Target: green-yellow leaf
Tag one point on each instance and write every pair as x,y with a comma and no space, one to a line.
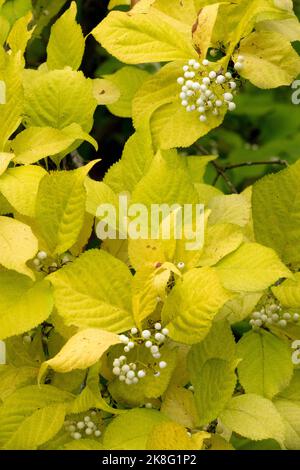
20,185
17,245
91,396
288,293
140,38
66,43
232,209
128,80
130,431
5,159
290,27
98,193
251,268
12,378
240,307
20,34
94,292
290,415
105,91
81,351
254,417
192,305
166,182
85,444
211,365
36,143
270,60
173,436
220,240
135,162
276,212
217,375
59,98
179,405
11,110
24,304
31,416
204,27
60,208
266,367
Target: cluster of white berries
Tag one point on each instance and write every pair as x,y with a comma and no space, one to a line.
43,262
131,372
205,90
86,427
272,314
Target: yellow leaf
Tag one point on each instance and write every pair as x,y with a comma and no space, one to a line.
20,34
94,292
67,32
144,37
203,29
20,185
60,207
81,351
270,60
11,110
190,308
23,303
220,240
179,405
173,436
17,245
128,80
288,293
5,159
251,268
35,143
105,91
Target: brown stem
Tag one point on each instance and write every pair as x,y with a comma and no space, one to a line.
222,173
133,2
266,162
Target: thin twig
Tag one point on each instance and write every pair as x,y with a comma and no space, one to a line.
227,180
266,162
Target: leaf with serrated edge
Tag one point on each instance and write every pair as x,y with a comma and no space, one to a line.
254,417
94,292
23,303
81,351
251,268
189,310
266,367
17,245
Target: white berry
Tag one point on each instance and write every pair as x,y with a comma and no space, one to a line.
228,96
220,79
116,370
146,334
42,255
162,364
238,66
